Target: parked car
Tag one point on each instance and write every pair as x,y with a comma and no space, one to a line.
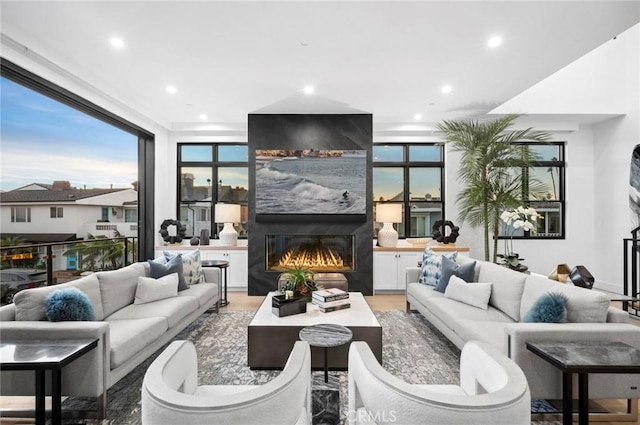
13,281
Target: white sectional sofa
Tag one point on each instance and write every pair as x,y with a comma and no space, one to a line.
128,333
589,317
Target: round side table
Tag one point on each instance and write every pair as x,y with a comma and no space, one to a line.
326,335
220,265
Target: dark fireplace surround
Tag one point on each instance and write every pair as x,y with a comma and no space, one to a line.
313,238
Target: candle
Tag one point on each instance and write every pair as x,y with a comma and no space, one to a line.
288,295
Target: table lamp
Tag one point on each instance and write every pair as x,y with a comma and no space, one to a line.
388,214
228,214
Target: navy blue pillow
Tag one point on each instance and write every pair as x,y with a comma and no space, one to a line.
68,304
549,308
450,268
157,270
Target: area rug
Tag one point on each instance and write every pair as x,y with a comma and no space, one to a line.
413,350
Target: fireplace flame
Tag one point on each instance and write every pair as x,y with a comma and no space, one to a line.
317,260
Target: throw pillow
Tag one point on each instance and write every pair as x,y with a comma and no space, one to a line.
432,266
549,308
157,270
474,293
465,272
68,304
150,289
191,267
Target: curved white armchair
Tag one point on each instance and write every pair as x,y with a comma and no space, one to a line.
171,395
493,390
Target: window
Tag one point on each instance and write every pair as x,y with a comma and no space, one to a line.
104,214
130,215
410,174
209,173
544,190
56,212
20,215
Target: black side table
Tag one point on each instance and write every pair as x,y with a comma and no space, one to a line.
584,358
220,265
41,356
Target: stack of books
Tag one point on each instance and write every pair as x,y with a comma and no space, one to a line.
331,299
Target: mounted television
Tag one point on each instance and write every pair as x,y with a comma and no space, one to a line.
305,185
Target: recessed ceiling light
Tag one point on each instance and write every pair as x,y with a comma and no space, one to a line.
446,89
117,42
417,117
172,89
494,41
203,117
308,89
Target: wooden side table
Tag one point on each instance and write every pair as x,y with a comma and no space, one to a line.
41,356
584,358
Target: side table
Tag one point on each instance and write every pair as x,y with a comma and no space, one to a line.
41,356
584,358
325,396
220,265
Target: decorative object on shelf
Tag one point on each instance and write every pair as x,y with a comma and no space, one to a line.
581,277
441,236
228,214
282,306
516,219
491,170
560,273
204,237
299,280
388,214
194,241
181,231
419,242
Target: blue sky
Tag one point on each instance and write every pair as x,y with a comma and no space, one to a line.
43,140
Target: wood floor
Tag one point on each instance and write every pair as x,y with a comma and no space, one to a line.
386,302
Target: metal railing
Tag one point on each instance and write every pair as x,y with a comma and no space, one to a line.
631,273
95,254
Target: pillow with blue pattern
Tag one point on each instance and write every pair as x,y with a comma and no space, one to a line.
549,308
191,267
432,266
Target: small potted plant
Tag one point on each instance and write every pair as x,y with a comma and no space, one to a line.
518,218
299,280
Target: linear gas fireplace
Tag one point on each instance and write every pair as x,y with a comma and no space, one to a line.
320,253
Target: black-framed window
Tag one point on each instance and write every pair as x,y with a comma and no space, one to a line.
412,175
146,151
209,173
56,212
544,190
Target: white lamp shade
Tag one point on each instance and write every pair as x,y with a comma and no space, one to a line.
227,213
389,213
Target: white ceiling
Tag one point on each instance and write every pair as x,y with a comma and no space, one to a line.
228,59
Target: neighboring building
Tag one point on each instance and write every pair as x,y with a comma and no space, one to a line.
55,213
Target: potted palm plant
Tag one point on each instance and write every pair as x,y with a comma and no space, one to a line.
493,169
299,280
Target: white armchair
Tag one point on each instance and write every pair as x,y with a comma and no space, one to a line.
493,391
171,394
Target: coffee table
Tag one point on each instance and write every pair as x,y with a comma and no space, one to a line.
271,338
41,356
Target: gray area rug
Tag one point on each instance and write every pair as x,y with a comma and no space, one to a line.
413,350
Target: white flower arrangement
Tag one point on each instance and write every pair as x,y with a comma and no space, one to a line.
518,218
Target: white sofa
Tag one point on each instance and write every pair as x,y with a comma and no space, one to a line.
589,318
492,391
128,333
171,394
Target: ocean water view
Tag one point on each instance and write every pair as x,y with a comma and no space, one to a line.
311,185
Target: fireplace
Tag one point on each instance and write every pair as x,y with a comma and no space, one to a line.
320,253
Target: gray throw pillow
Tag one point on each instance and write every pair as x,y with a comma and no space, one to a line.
451,268
157,270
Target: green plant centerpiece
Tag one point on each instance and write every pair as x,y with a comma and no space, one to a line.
299,280
494,171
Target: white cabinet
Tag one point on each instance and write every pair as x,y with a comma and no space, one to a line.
238,265
389,269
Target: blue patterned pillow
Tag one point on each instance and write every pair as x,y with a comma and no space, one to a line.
549,308
191,267
432,266
450,268
68,304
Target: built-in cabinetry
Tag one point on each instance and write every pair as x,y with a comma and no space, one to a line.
389,264
236,256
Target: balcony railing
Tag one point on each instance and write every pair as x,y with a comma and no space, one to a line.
65,261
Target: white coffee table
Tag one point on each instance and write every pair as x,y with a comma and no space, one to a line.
271,338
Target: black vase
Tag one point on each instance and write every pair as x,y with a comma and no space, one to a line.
204,237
